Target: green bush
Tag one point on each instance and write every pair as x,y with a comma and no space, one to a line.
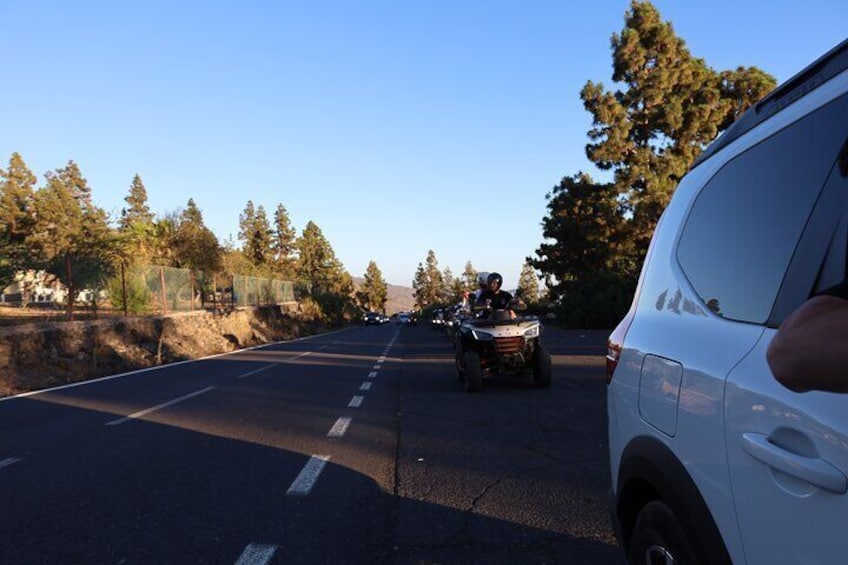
138,296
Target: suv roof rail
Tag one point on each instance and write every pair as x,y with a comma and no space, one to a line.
814,75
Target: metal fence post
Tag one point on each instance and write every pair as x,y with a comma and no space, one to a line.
162,289
124,289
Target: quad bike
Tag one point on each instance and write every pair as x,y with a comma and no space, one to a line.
501,343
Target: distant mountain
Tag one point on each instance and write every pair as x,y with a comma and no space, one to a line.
400,299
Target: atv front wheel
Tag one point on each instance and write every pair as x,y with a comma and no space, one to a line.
457,355
542,368
473,371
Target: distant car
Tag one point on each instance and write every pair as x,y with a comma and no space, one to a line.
372,318
403,318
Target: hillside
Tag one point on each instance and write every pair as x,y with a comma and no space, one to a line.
400,297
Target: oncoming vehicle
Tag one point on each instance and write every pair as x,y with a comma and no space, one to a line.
372,318
501,344
712,460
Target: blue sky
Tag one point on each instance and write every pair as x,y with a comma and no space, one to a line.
397,127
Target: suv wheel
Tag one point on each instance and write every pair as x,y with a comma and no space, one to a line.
658,538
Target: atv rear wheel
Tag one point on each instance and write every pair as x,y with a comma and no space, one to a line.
473,371
542,368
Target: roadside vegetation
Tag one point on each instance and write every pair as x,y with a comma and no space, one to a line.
664,107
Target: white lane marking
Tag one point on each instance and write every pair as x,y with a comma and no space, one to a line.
137,415
355,402
259,370
340,427
376,367
308,476
381,360
365,386
9,461
256,554
372,374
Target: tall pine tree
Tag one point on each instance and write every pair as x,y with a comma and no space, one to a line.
17,218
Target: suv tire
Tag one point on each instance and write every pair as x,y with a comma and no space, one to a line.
658,537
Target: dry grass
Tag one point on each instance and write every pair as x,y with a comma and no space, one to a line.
15,315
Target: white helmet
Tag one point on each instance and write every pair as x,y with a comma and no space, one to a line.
482,278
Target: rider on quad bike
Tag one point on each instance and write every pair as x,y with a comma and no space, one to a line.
493,299
500,341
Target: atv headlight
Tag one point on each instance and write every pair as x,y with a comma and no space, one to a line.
532,332
482,336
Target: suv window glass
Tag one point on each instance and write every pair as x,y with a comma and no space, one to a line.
744,226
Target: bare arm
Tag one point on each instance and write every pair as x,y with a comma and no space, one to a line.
810,350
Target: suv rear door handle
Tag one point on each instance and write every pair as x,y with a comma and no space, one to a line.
817,472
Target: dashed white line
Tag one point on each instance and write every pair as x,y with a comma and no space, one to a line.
9,461
355,402
381,360
340,427
372,374
159,407
304,482
376,366
259,370
256,554
365,386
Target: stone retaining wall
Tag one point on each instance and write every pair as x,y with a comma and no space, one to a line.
36,356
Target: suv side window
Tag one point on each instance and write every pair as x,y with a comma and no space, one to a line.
746,222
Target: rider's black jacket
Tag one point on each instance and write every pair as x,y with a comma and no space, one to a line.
495,301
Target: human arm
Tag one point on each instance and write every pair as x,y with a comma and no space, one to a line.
809,350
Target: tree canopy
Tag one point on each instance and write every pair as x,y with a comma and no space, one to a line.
667,107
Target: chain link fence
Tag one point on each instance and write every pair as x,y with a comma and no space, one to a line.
156,289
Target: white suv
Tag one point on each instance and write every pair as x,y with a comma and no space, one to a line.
712,460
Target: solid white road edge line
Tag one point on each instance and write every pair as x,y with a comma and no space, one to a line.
259,370
340,427
355,402
9,461
256,554
157,367
137,415
304,482
365,386
296,357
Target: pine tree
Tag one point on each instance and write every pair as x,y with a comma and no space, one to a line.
259,245
588,257
17,218
317,263
72,235
672,106
528,284
195,246
284,240
374,291
331,285
429,282
137,223
469,277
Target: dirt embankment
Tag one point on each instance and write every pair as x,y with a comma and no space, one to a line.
36,356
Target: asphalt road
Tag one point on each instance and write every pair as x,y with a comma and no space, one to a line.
358,446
